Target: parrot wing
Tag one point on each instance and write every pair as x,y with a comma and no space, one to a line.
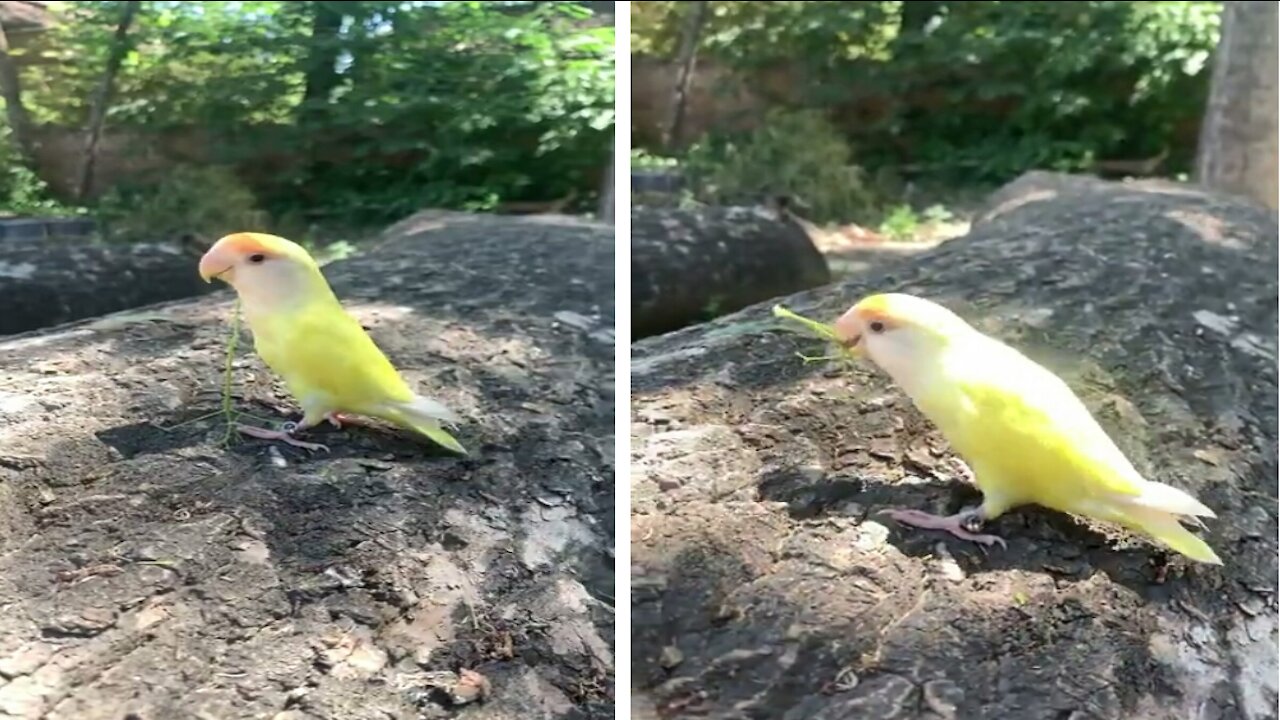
327,350
1033,421
332,353
1045,436
1033,417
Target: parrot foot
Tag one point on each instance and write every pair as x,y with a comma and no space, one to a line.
963,525
285,435
338,419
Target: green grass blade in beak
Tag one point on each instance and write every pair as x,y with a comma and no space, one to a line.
822,330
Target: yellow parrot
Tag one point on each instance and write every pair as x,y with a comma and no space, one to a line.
301,331
1025,435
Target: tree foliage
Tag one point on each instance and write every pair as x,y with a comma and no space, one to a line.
796,155
361,110
977,91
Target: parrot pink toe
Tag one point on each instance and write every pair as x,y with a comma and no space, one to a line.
339,420
954,524
265,434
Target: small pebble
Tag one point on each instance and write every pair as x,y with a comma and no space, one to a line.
671,657
277,460
471,686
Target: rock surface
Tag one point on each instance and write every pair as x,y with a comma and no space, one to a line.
149,571
692,265
47,282
758,559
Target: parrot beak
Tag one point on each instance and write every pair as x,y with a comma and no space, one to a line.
847,334
854,345
213,265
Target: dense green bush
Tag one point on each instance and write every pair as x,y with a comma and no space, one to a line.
207,202
482,107
22,192
1056,85
797,154
975,91
365,111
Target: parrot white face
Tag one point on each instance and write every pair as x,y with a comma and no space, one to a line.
268,272
903,335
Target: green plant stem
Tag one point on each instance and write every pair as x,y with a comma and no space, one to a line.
228,406
823,331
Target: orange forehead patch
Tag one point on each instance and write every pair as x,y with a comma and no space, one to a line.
901,309
245,243
877,307
874,302
870,316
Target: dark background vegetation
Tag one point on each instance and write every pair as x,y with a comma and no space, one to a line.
876,112
295,116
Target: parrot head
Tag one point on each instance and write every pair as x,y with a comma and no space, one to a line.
899,333
262,268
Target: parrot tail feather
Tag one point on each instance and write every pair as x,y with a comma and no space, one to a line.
428,409
428,417
1164,527
1158,496
441,437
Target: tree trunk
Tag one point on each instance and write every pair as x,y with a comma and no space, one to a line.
102,99
321,64
766,584
916,15
693,265
229,575
1239,137
15,110
607,201
688,56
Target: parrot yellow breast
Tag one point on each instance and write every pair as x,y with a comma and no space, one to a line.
1025,435
327,358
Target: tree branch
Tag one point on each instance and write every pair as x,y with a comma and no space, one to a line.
102,99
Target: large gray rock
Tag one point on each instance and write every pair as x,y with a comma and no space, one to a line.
693,265
765,585
147,570
47,282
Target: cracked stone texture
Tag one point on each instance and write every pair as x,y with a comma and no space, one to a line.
147,571
765,586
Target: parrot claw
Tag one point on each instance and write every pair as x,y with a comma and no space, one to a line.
285,435
987,540
340,420
963,525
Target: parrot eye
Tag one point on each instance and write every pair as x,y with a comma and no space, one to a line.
257,258
877,326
